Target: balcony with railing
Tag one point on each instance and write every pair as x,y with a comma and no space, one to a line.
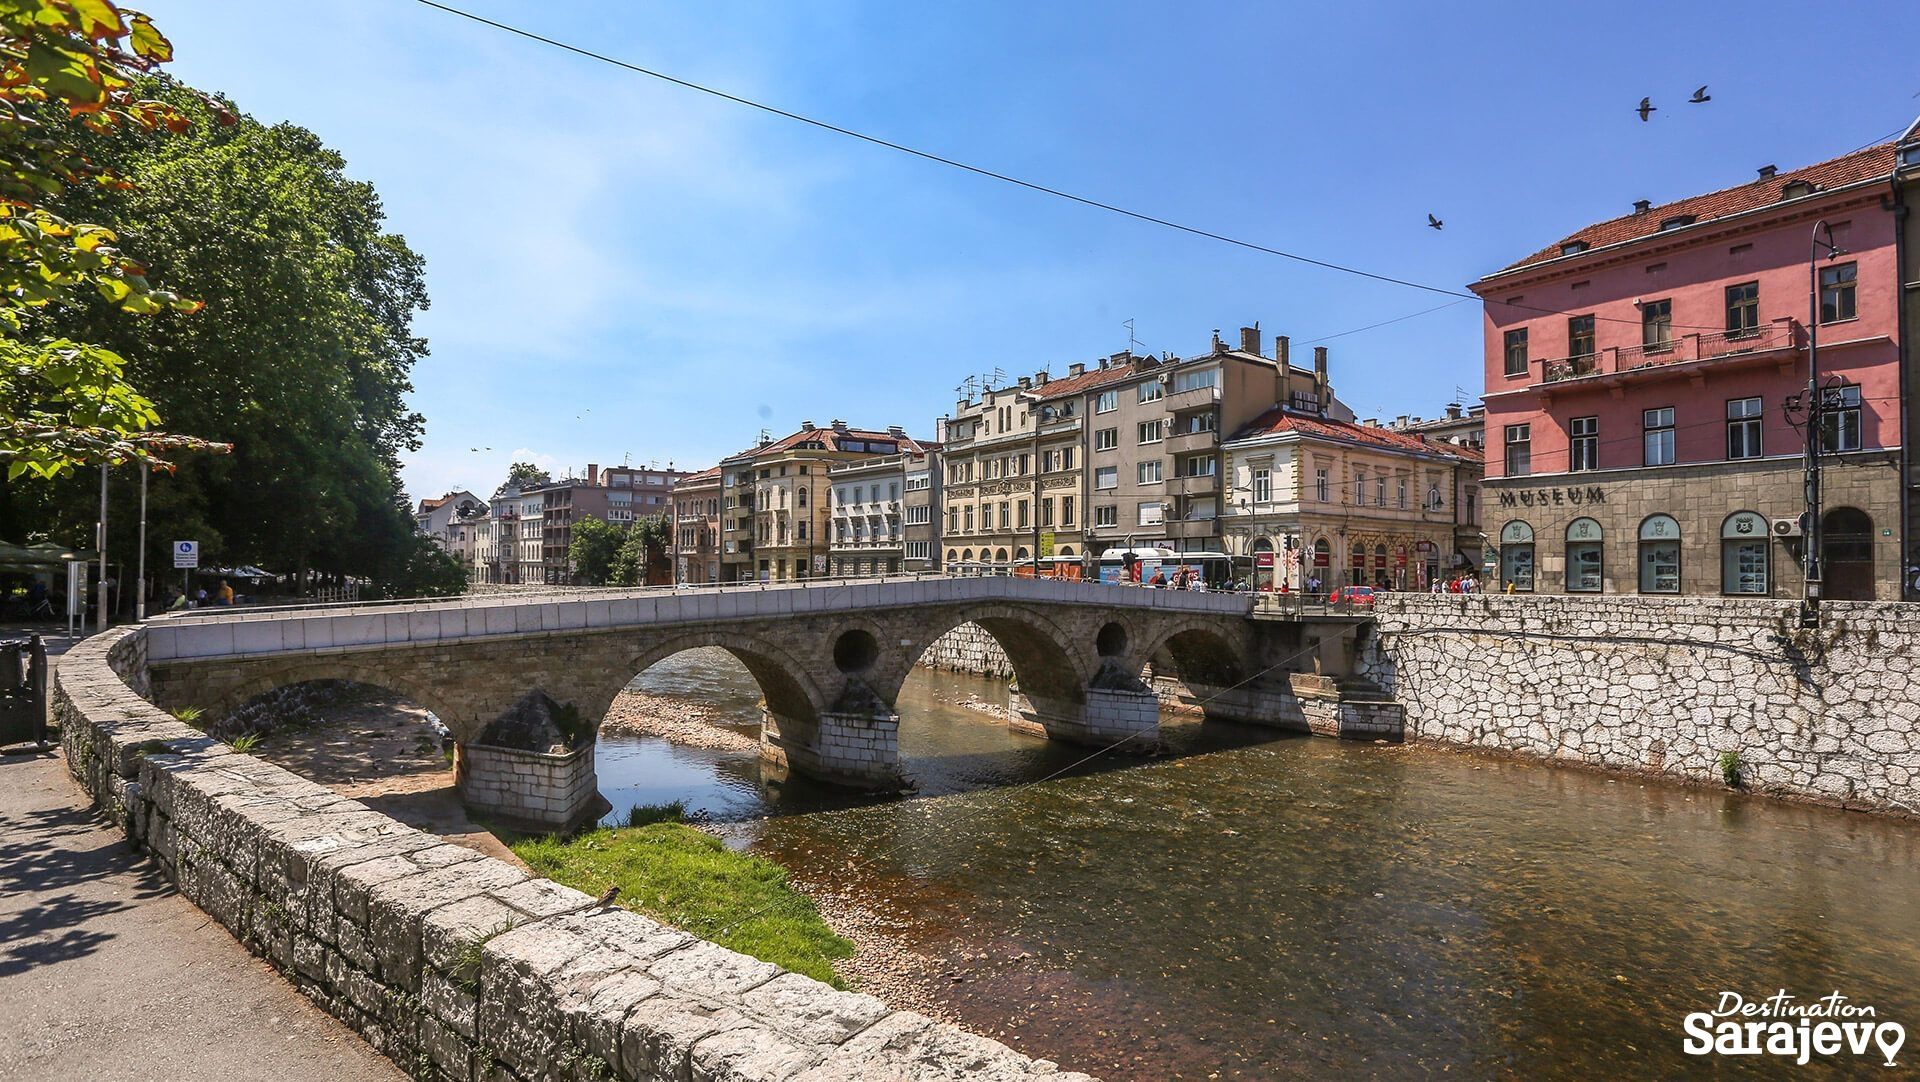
1180,443
1196,484
1192,398
1776,342
1192,529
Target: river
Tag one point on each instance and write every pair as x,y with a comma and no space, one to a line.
1253,905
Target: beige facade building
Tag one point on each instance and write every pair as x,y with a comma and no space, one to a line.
775,505
1314,499
867,531
695,515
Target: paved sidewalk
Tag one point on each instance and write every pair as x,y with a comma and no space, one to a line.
107,973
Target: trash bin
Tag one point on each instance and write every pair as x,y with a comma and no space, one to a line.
23,690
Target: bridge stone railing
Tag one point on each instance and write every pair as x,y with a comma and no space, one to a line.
449,962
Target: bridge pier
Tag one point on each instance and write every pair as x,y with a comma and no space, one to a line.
857,749
1268,703
1115,706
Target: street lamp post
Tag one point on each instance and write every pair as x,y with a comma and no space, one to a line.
1811,580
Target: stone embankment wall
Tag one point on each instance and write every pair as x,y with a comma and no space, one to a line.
1666,686
453,964
968,648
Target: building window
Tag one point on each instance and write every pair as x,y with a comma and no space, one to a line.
1359,487
1022,515
1516,556
1149,472
1195,379
953,520
1106,439
1743,427
1046,512
1106,402
1836,292
1583,443
1656,325
969,528
1151,431
1585,557
1659,555
1657,430
1516,352
1744,554
1152,514
1519,450
1066,510
1401,493
1580,336
1262,485
1106,477
1004,518
1106,515
1840,418
1201,466
1320,484
1743,310
1150,391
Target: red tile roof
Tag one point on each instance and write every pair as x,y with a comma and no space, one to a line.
711,473
830,438
1089,381
1281,419
1875,161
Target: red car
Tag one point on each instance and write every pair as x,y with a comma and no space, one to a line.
1359,597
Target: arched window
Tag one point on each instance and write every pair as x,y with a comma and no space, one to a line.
1357,565
1659,555
952,557
1846,554
1516,556
1585,557
800,497
1744,555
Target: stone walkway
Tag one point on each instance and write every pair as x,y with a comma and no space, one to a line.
106,972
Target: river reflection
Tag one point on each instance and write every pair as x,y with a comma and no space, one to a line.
1257,908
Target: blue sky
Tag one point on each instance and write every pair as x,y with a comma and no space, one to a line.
622,268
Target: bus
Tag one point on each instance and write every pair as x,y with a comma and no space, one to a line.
1214,569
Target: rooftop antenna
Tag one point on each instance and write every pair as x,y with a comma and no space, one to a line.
1460,394
766,435
968,388
994,378
1131,340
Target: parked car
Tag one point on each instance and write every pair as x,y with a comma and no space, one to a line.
1359,597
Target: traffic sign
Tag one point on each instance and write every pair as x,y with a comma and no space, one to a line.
186,554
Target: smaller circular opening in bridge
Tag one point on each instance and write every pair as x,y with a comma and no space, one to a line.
1112,641
855,651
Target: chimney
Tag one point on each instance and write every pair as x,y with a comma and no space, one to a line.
593,474
1026,383
1250,339
1076,369
1321,390
839,425
1453,411
1040,379
1282,351
806,426
1400,421
1641,206
1767,171
1370,422
1218,345
897,430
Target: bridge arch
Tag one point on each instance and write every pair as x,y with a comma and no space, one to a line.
790,692
217,692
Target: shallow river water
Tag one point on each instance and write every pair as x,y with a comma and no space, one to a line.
1261,906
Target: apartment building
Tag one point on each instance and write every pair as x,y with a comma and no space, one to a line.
1013,477
1312,498
867,531
695,504
1463,425
920,508
618,496
775,506
1646,380
529,554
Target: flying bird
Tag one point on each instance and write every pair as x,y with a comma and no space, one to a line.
1434,223
1701,95
1646,108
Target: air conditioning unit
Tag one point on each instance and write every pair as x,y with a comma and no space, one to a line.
1786,527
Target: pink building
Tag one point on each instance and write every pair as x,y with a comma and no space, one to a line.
1640,376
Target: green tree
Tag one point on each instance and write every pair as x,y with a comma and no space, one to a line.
527,475
421,568
593,550
301,358
68,67
643,553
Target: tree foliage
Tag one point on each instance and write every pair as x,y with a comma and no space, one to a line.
301,358
70,67
527,475
593,549
643,553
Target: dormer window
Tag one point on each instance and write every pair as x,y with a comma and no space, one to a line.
1678,221
1573,247
1796,189
1910,155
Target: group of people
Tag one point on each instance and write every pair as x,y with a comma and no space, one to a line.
1458,584
223,595
1184,578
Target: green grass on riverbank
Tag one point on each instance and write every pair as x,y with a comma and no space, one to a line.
674,873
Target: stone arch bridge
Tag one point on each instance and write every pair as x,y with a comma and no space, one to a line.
830,659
